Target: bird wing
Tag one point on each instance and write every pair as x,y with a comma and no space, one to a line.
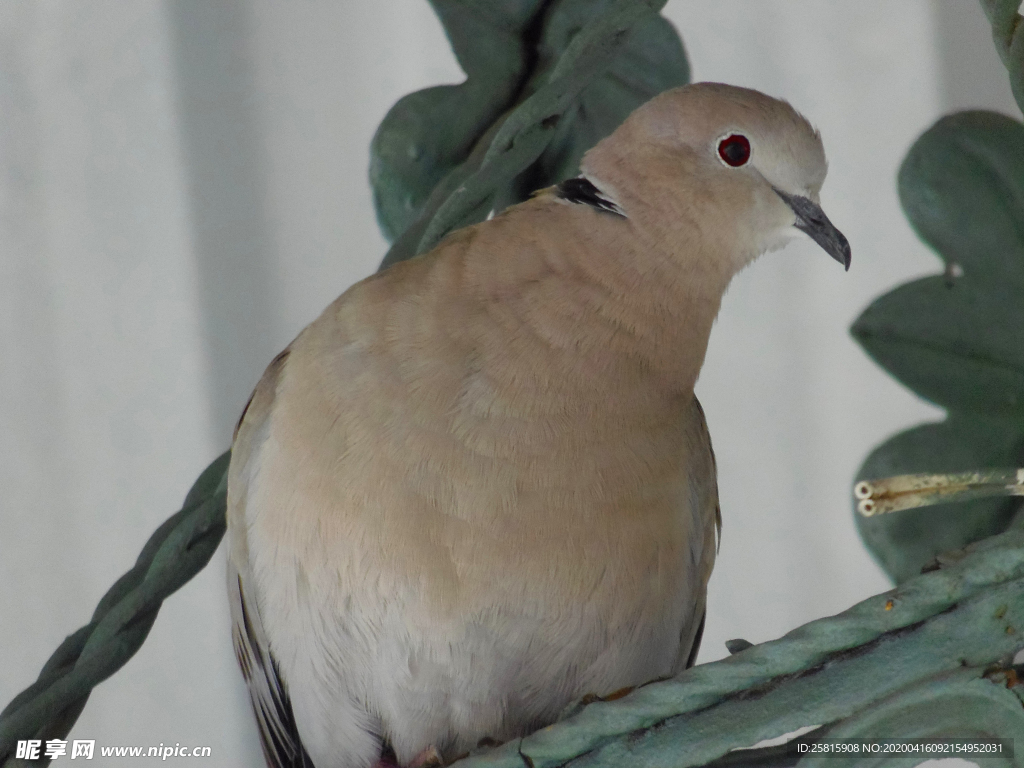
703,481
279,735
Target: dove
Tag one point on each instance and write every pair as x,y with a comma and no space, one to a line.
479,486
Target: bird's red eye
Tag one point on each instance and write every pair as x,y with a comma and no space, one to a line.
734,150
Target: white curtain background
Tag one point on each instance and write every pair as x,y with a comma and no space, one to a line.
183,187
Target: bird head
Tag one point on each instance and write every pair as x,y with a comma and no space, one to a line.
738,172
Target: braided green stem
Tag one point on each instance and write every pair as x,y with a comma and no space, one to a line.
988,581
177,551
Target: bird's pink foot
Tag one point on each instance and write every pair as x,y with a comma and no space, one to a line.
428,758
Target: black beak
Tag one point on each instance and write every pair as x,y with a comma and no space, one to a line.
813,221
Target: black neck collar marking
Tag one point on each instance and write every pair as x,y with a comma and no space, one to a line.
582,190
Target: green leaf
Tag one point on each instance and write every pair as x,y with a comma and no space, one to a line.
955,339
651,61
1008,35
958,343
904,542
958,340
962,188
444,157
428,133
